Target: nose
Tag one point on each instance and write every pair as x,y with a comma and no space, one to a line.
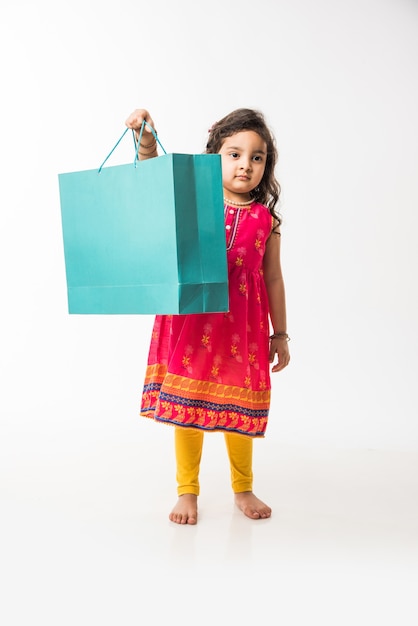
245,163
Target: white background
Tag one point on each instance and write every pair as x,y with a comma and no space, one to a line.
338,83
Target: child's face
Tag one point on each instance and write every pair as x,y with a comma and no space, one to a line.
243,162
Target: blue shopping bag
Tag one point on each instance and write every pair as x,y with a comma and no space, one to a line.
146,237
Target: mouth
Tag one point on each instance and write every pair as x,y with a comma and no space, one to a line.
243,177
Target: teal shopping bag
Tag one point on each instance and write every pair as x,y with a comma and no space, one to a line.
146,237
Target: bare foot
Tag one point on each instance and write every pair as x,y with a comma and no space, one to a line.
185,511
251,506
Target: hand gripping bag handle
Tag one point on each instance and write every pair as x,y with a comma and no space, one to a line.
136,143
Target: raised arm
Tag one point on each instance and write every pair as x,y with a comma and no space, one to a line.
148,145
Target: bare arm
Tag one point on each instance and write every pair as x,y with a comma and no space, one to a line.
148,145
274,282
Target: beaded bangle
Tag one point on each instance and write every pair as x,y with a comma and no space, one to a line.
280,336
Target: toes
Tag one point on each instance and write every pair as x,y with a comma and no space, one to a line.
182,518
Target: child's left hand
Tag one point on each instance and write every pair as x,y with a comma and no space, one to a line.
280,347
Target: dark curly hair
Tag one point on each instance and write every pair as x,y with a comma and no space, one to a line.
268,191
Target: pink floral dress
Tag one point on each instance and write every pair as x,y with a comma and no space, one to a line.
211,370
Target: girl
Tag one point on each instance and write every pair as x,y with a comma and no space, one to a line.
210,372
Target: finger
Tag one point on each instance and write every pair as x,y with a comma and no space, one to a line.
272,353
278,367
281,364
136,119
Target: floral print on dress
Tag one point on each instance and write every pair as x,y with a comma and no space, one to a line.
206,338
263,382
241,252
187,359
235,353
243,288
258,244
252,355
212,370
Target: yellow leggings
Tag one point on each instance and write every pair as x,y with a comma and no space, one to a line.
188,448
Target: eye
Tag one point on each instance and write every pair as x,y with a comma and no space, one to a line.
258,158
234,155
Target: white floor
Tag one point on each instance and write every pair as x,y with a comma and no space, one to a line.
86,538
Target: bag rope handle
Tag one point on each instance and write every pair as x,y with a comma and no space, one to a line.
136,143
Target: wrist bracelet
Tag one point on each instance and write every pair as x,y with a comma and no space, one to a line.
148,145
280,336
146,153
